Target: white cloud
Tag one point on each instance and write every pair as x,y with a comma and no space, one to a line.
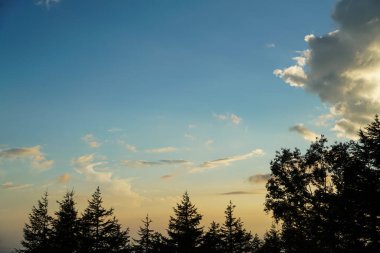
294,75
226,161
233,118
38,159
91,141
343,67
162,150
270,45
12,186
306,133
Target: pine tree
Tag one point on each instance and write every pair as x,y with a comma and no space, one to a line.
184,230
256,244
235,238
37,233
272,241
212,239
145,243
65,226
100,232
159,243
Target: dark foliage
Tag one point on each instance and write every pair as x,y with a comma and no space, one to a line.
184,229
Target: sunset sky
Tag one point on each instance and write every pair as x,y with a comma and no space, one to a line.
151,98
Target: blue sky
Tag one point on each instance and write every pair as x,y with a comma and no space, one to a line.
151,98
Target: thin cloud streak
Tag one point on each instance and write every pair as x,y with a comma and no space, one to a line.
244,192
142,164
226,161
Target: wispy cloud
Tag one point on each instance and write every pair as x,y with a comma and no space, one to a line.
233,118
64,178
100,173
306,133
86,166
259,178
226,161
270,45
342,67
12,186
38,159
91,141
162,150
244,192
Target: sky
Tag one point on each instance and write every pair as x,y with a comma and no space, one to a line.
151,98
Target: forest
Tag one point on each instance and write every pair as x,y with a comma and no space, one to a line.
324,200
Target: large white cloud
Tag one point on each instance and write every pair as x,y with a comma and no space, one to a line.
343,66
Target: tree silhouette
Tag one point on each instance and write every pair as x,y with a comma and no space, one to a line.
235,238
100,232
66,226
145,242
256,244
212,240
272,242
37,232
184,230
327,199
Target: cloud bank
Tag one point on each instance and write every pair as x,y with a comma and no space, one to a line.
38,159
343,66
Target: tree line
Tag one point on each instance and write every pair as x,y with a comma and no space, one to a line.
325,200
98,230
